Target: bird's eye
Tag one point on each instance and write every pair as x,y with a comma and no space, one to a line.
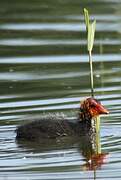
92,105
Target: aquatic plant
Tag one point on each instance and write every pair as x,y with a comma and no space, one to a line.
90,29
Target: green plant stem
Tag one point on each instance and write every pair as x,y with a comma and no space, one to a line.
91,74
98,144
90,29
97,124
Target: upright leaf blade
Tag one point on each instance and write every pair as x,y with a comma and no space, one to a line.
91,34
90,28
86,17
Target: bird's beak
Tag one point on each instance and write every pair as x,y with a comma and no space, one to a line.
102,109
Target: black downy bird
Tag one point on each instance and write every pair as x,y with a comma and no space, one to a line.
53,127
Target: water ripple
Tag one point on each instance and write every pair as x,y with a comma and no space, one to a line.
59,26
35,42
60,59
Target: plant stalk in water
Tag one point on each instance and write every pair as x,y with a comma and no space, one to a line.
91,74
90,28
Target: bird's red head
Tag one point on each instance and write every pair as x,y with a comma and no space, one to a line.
93,107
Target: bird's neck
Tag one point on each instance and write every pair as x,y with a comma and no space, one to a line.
85,117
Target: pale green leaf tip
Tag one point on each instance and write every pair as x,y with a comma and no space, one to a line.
85,10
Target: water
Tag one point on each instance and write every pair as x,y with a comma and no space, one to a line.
44,69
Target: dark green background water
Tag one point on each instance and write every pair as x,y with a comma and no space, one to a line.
44,68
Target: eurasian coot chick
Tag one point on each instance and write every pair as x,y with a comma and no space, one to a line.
59,126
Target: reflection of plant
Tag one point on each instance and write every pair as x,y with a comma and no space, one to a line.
90,28
91,151
95,162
